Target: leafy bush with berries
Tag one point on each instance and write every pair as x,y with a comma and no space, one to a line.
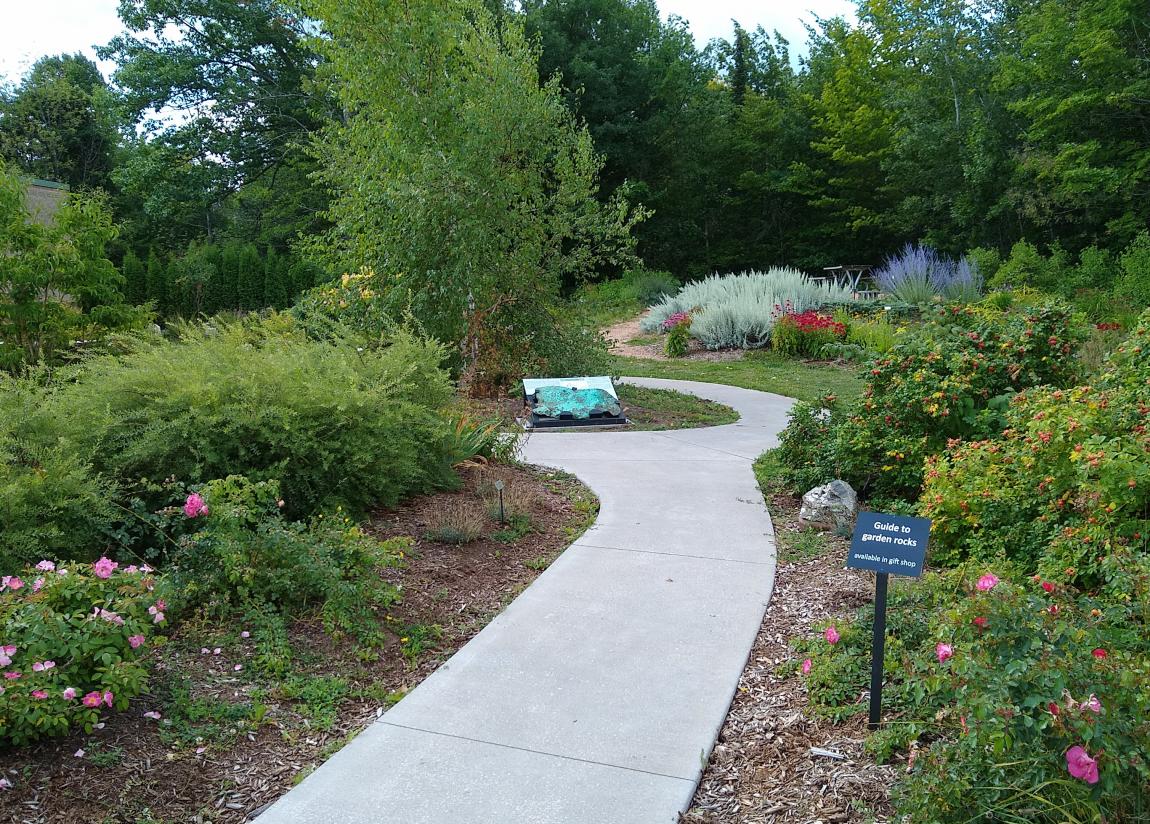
1017,700
1066,489
71,642
951,378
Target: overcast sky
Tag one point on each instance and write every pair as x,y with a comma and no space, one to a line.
35,28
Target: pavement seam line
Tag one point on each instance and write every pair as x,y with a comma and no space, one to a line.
533,752
672,554
702,446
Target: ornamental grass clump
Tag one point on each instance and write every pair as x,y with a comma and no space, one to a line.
72,640
919,274
738,311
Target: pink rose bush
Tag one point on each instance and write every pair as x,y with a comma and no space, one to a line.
992,675
71,648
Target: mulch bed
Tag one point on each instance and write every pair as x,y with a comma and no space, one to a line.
762,770
258,736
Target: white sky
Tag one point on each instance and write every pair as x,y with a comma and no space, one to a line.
33,28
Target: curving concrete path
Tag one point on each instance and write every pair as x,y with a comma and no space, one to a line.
597,695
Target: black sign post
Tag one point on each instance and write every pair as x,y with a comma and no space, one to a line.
887,545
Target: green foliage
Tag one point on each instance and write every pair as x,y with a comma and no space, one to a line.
1064,489
950,378
332,424
57,282
76,628
805,456
678,338
514,213
244,556
1133,284
1001,705
651,287
60,123
876,335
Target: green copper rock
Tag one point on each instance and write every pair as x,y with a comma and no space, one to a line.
556,401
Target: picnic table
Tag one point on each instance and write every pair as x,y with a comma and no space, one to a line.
848,277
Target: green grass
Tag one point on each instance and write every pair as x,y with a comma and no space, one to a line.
667,409
761,370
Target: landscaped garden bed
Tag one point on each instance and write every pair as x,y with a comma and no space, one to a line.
215,736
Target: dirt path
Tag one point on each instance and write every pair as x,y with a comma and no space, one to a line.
619,335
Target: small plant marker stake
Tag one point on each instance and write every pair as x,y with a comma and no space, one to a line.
499,487
886,545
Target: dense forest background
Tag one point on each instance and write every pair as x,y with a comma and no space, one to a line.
956,124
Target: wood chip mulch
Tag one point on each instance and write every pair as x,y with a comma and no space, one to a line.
254,739
762,770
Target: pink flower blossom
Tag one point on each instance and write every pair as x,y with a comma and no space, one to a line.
1081,765
981,622
160,605
238,667
944,652
37,584
12,676
11,582
79,753
43,666
92,699
145,568
205,651
46,566
807,667
159,618
155,716
216,651
245,634
104,568
39,695
135,640
10,649
131,568
1047,586
69,693
111,617
195,506
1093,704
987,582
108,698
4,660
832,635
5,784
1099,653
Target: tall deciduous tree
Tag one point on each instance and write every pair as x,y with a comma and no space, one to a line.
59,123
459,177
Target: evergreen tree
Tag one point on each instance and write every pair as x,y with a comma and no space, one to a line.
249,279
157,281
135,278
276,287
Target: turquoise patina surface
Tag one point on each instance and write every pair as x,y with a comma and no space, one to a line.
557,401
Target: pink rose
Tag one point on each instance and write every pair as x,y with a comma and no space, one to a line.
987,582
39,695
944,652
69,693
4,660
155,716
832,635
195,506
1081,765
135,640
11,582
92,699
807,667
12,676
37,584
104,568
46,566
1093,704
108,698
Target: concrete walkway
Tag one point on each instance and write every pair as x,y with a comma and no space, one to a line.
597,695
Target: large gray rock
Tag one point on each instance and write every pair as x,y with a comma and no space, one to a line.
832,506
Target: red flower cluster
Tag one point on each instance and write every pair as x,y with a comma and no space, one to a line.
1108,327
812,321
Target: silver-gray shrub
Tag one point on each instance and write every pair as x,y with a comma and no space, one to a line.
740,310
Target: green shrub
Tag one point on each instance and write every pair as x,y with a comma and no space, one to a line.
651,287
1065,489
678,337
950,378
244,557
71,638
999,680
805,455
1133,285
877,335
333,424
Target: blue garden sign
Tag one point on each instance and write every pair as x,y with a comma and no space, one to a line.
887,545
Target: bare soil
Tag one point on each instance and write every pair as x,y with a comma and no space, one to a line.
231,742
762,770
620,334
